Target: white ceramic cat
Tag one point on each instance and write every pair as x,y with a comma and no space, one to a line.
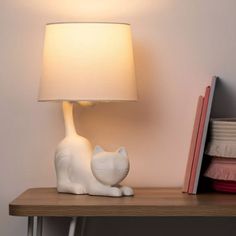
110,168
73,164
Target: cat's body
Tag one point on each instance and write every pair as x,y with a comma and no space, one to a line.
73,164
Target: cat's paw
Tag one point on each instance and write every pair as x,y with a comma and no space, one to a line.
78,189
127,191
115,192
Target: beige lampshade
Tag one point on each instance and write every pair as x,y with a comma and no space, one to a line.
88,62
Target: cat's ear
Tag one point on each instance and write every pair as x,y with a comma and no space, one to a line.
122,151
97,150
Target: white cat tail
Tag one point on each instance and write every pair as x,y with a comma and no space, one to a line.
97,149
122,151
68,118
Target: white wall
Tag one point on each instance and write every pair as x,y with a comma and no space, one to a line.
178,44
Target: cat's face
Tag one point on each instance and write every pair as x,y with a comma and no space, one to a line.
110,168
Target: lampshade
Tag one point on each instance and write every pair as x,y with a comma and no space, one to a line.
88,62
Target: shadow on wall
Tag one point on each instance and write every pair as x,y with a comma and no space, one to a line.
150,226
224,104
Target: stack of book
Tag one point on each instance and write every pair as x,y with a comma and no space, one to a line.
198,140
221,150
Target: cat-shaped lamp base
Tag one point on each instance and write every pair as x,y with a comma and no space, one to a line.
73,164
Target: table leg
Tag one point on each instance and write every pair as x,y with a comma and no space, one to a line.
39,225
72,226
30,226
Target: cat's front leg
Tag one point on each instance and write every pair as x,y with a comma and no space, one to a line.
98,188
70,187
127,191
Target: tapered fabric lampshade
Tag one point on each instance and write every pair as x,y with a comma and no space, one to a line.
88,62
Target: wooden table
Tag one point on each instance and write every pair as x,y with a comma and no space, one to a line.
42,202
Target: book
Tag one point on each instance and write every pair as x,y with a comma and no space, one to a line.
196,157
204,135
193,144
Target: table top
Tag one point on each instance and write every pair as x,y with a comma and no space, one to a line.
146,202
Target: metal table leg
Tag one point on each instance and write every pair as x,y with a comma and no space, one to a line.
72,226
30,226
39,225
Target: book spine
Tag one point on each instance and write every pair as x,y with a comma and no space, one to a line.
196,158
193,144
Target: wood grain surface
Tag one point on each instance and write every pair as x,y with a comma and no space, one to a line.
146,202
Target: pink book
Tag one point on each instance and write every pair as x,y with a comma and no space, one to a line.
193,144
199,141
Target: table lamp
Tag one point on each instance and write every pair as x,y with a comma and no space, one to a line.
84,63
